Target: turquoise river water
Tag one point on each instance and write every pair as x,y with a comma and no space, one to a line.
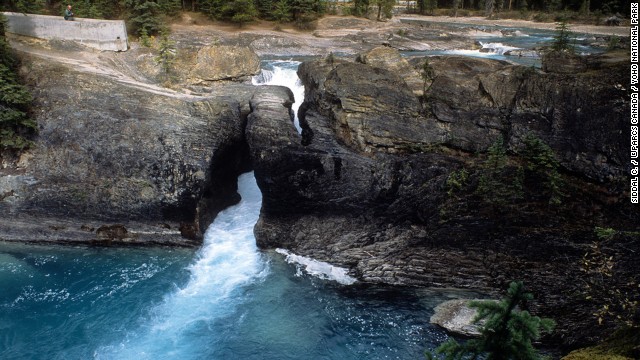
227,300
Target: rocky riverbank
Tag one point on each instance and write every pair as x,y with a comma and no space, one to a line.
392,185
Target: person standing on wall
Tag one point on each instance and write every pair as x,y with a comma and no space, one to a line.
68,14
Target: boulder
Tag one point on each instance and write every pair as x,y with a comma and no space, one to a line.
563,62
456,316
223,62
613,21
527,53
390,59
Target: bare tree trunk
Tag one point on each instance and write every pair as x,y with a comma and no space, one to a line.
488,11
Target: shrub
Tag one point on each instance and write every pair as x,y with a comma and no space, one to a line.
617,303
541,160
499,184
306,23
456,181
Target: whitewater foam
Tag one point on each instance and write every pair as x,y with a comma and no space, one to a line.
228,260
497,48
317,268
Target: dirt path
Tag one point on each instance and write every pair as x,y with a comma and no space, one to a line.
90,61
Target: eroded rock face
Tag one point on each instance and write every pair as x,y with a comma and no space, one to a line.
112,152
471,103
369,107
368,184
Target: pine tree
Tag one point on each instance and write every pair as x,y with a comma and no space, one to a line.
281,11
23,6
428,6
166,53
15,99
562,40
145,14
507,331
542,163
456,5
213,8
488,8
497,184
266,8
302,10
360,7
169,6
427,74
238,11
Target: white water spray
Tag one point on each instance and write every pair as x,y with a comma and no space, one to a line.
228,260
488,50
284,73
497,48
317,268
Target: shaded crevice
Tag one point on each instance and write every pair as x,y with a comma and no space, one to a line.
307,133
337,168
220,189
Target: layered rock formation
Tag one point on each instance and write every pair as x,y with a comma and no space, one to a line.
157,163
375,181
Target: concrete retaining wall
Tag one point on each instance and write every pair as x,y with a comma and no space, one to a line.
98,34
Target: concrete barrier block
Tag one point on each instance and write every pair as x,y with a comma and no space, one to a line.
98,34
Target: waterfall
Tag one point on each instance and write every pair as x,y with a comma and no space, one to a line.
284,73
228,260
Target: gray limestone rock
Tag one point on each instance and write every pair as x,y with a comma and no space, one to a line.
112,152
223,62
368,185
456,316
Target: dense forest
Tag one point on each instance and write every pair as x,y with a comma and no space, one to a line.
146,15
